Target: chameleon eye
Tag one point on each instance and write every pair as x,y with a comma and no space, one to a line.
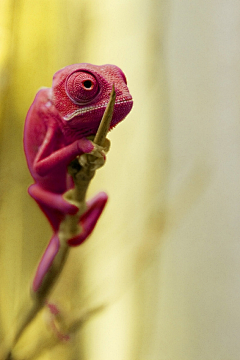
82,87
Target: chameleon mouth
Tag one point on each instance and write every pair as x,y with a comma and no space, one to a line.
90,108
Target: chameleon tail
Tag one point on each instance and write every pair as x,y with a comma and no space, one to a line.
46,261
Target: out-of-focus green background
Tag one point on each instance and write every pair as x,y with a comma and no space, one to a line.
164,260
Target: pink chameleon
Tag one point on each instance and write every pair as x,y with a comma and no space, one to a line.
56,130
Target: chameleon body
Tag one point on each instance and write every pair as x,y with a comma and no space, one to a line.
56,129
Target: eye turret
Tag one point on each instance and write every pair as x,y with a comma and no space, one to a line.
82,87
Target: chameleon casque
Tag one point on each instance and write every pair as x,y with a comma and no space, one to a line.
57,126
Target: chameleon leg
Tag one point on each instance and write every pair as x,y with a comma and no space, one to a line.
89,219
46,261
51,200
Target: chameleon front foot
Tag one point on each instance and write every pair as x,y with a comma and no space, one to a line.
96,158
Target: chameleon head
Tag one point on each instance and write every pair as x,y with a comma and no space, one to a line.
81,92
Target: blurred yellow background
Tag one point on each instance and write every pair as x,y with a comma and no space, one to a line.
163,262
